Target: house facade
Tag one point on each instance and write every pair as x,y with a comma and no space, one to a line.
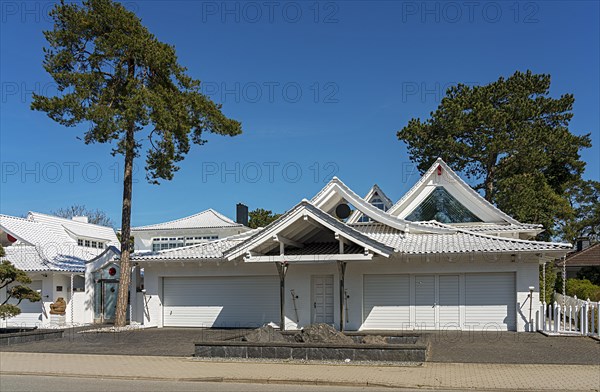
53,251
442,257
208,225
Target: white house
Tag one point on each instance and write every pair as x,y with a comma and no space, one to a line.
208,225
53,251
442,257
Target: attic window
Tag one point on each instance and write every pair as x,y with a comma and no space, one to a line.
375,202
442,207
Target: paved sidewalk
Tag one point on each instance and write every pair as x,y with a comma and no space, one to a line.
430,375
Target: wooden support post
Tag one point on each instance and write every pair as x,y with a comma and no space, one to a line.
281,270
342,271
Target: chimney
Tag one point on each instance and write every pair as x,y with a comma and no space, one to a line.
241,214
80,218
582,243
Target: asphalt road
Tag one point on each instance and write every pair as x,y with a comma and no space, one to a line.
74,384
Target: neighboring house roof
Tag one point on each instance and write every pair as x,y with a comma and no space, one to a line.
589,256
454,184
25,230
212,250
77,228
374,192
32,259
205,219
49,243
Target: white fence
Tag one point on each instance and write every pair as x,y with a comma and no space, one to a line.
574,317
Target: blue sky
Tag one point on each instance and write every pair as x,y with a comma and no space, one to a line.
320,88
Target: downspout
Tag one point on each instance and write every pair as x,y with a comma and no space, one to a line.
72,304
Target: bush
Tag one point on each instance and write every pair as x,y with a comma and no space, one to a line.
583,289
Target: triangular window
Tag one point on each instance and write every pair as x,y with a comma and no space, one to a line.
442,207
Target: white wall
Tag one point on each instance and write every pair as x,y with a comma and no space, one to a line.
143,238
299,278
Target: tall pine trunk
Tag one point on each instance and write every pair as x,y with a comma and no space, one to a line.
125,276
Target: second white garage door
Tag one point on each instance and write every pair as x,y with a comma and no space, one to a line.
490,301
221,302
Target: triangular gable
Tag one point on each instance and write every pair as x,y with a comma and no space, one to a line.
301,213
336,192
441,175
375,195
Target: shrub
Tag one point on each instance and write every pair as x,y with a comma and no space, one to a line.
583,289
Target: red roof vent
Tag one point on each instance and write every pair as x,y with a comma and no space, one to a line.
439,169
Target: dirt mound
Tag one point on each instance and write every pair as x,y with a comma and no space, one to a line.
374,339
264,334
321,333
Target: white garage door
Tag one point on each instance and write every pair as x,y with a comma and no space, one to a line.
386,301
490,301
221,302
31,312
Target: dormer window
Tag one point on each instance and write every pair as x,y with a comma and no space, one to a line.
90,244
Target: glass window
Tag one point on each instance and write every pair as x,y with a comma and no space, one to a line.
442,207
80,242
87,243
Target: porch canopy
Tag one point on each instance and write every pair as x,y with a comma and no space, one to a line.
306,234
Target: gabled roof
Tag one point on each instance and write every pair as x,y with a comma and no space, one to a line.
205,219
440,174
374,192
336,191
586,257
305,210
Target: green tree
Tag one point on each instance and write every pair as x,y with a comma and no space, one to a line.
584,199
119,80
97,217
261,218
509,136
10,274
551,279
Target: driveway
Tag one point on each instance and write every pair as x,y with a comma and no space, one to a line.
450,347
176,342
512,347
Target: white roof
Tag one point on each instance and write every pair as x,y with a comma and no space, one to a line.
462,241
375,191
77,228
32,259
49,243
205,251
205,219
454,184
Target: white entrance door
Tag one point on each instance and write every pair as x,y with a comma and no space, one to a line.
425,302
448,305
220,302
322,296
490,301
386,302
